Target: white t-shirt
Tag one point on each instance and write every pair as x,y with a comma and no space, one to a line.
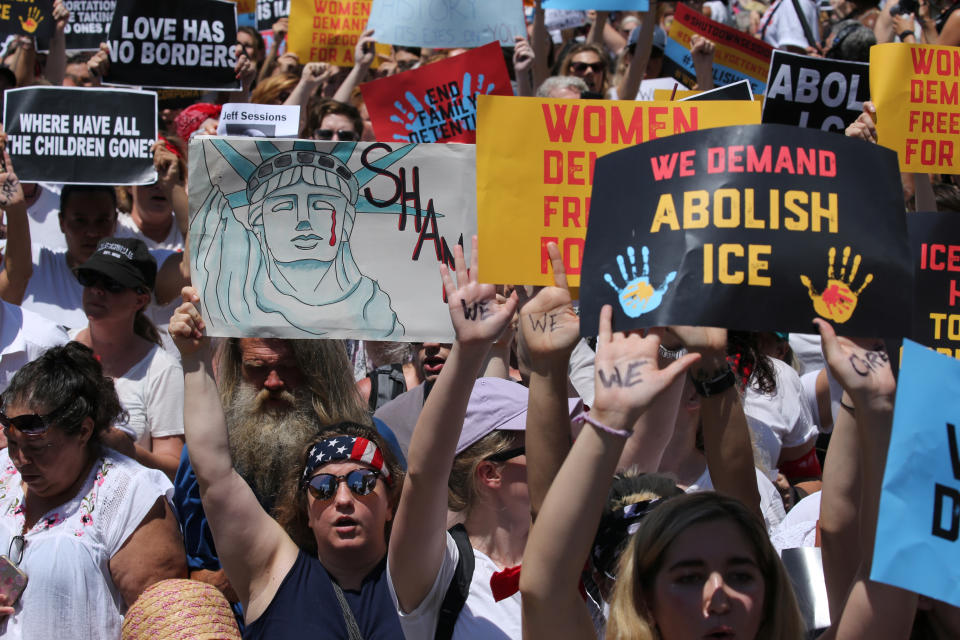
771,504
127,228
799,528
44,218
781,419
152,394
781,27
70,592
648,86
24,336
482,618
53,290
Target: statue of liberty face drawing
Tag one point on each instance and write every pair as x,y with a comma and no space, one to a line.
290,214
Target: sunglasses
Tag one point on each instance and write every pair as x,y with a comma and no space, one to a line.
361,482
581,67
509,454
29,424
89,278
347,135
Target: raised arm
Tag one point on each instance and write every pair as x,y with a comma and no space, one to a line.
270,62
313,76
417,539
18,258
246,71
56,67
363,55
630,84
701,51
549,331
254,550
627,381
540,42
523,64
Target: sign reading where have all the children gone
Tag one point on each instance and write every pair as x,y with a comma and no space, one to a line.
749,228
174,44
918,523
438,102
80,135
534,191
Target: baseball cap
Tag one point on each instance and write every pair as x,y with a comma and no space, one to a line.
126,260
659,38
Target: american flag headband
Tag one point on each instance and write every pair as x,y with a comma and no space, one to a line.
344,448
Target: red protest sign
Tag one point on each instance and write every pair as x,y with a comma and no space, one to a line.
438,102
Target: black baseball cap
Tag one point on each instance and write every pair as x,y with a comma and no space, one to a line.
125,260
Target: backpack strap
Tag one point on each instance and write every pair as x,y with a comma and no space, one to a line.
459,588
807,31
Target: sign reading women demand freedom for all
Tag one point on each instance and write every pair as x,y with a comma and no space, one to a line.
81,135
935,242
737,55
307,239
438,102
918,525
815,93
27,17
916,89
536,189
752,228
446,24
327,30
174,44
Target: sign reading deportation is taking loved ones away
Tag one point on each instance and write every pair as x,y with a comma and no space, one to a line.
536,190
815,93
749,228
81,135
174,44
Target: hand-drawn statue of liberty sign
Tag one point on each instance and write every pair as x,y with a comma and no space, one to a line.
311,239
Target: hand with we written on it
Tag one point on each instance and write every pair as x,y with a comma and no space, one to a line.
549,327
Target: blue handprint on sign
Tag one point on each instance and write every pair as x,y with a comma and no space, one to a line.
428,120
637,296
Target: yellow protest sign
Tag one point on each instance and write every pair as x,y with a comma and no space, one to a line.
327,30
535,189
918,118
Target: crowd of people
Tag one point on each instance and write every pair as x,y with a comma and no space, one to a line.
156,482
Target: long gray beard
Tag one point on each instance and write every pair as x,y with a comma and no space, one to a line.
266,442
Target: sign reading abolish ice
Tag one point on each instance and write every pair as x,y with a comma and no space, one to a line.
737,56
178,43
305,239
81,135
749,228
918,110
438,102
815,93
536,190
935,241
447,23
918,525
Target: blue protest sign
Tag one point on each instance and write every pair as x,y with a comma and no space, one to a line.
599,5
447,24
918,527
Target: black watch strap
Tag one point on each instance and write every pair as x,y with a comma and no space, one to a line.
715,385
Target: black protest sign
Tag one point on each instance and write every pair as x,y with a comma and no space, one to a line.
935,242
27,17
815,93
89,22
748,227
269,11
174,44
81,135
733,91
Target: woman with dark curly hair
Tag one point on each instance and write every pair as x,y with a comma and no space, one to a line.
90,528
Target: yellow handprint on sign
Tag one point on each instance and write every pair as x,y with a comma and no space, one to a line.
838,299
34,18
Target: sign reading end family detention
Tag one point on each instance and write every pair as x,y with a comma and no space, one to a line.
749,228
81,135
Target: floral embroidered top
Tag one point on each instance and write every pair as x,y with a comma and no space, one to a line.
67,553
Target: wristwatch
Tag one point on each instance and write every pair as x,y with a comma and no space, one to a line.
720,382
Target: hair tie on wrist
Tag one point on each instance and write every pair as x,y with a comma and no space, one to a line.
848,407
584,417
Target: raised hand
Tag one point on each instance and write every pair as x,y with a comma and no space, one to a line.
627,378
523,55
61,16
862,367
316,73
99,64
187,326
167,165
245,69
549,327
365,50
477,316
11,193
864,127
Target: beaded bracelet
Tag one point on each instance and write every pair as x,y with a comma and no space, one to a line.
584,417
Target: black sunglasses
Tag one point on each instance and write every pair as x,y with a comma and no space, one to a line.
88,278
361,482
347,135
509,454
30,424
581,67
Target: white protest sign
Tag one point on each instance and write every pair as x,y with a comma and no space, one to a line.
447,23
259,120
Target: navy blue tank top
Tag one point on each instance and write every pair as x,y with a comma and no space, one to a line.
305,606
